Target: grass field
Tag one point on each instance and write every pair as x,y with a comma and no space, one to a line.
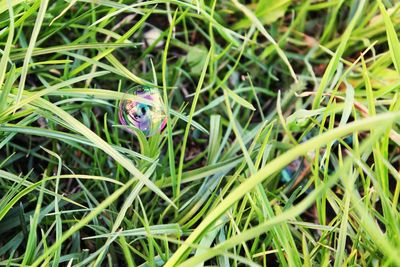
282,142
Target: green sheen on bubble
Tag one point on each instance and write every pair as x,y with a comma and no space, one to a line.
142,108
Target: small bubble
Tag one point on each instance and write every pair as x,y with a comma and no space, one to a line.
143,108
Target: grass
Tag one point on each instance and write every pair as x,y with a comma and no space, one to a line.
282,143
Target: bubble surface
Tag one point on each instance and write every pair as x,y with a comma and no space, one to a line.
143,108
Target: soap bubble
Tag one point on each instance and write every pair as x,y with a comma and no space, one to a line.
143,109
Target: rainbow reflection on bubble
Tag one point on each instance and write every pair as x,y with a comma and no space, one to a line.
142,108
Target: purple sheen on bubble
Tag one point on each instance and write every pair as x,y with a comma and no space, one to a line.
145,112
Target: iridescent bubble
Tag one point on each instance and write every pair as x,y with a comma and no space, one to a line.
143,108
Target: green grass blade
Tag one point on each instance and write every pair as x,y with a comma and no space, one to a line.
274,166
32,42
261,28
333,63
102,145
392,36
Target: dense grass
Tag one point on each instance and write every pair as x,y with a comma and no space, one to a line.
282,144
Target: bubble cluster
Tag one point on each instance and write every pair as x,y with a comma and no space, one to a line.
143,109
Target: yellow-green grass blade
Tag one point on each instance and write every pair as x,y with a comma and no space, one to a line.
7,48
275,165
69,47
171,150
255,21
32,96
333,63
296,210
392,37
83,222
103,145
187,129
32,42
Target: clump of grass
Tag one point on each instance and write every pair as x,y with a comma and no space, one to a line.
281,147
